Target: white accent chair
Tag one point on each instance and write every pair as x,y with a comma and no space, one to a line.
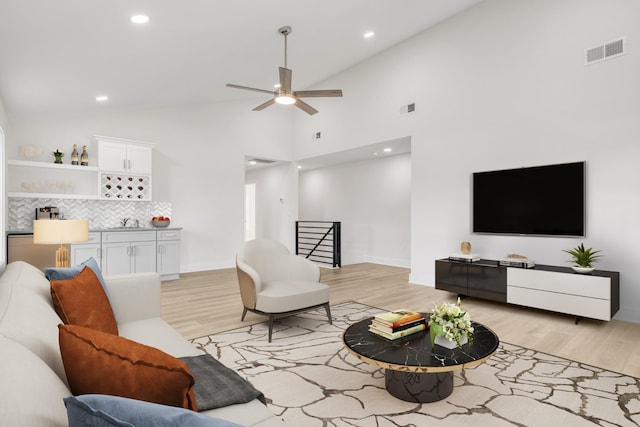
276,283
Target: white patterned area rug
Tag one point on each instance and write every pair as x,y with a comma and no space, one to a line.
309,379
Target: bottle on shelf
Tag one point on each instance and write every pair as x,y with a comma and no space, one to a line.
74,155
84,157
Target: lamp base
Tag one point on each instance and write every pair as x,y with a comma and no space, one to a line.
62,257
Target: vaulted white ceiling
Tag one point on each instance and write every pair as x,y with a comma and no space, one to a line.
56,56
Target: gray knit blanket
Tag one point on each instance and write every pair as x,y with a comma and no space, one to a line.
218,386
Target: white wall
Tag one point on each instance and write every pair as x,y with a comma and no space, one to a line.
372,200
198,163
3,114
3,205
276,202
503,85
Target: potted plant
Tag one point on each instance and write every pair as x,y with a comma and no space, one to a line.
583,258
58,155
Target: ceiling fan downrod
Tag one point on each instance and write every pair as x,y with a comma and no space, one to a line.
285,31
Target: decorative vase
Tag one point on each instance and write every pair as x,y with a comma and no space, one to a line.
447,343
74,155
465,248
437,337
84,157
58,157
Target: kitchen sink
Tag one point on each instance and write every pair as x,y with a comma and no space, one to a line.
119,227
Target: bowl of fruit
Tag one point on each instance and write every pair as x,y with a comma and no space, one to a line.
160,221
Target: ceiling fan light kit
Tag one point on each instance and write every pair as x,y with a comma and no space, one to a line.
284,95
285,98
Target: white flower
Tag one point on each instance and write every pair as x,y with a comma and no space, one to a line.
455,322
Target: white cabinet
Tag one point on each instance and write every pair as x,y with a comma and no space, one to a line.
169,254
126,252
81,252
132,251
596,295
119,155
125,169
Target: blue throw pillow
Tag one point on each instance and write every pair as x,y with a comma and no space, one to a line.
101,410
64,273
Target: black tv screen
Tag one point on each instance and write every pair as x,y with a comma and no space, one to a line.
542,200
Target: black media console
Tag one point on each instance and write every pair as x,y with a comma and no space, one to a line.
595,295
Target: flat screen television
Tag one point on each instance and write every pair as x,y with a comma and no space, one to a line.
541,200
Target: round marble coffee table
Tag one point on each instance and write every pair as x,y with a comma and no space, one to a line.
414,370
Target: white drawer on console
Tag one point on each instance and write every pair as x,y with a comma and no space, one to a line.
571,304
565,283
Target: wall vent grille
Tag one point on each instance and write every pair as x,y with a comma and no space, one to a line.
605,51
409,108
261,161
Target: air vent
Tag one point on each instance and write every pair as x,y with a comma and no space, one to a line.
261,161
605,51
409,108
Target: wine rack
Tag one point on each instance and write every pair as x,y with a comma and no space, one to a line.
125,187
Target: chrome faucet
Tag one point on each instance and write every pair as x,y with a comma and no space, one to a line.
125,221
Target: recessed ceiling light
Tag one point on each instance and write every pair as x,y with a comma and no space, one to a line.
277,85
375,153
368,34
387,150
299,167
253,162
139,19
101,98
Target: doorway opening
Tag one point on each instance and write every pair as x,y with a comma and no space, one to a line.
249,211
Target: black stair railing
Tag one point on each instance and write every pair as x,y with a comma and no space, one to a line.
319,241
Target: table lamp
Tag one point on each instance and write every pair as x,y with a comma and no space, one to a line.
60,231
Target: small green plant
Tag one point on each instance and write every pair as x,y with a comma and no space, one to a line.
583,257
58,155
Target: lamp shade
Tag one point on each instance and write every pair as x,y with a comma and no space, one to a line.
59,231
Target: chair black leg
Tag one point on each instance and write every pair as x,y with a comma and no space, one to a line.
328,310
244,313
271,318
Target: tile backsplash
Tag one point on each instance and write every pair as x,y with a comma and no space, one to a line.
100,213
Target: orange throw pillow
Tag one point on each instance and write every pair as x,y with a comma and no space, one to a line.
100,363
82,301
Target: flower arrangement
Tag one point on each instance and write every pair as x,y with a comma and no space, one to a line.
452,322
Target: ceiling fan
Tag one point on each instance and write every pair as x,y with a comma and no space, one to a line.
284,94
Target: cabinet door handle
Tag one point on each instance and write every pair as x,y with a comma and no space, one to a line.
124,164
129,162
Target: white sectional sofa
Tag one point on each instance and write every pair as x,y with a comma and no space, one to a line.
32,377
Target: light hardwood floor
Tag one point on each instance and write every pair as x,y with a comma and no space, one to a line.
204,303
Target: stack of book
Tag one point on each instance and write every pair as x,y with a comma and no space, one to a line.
397,324
518,261
464,257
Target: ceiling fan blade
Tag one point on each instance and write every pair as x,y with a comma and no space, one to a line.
318,93
264,105
305,107
250,88
285,79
